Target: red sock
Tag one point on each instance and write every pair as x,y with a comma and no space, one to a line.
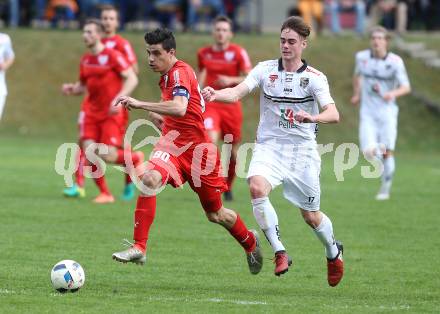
231,173
100,182
241,233
143,218
135,159
79,173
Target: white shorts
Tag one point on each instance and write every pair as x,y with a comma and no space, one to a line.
376,130
296,168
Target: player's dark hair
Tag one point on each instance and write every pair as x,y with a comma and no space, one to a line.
223,18
109,7
96,22
161,36
298,25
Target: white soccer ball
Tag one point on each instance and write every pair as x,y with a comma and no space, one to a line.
67,275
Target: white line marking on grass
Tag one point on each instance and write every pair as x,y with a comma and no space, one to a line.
6,291
215,300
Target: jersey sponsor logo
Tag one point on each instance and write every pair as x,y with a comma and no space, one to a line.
287,119
103,59
288,90
304,82
229,55
273,78
110,44
289,77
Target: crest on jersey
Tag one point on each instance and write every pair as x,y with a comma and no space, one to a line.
303,82
102,59
229,55
273,78
110,44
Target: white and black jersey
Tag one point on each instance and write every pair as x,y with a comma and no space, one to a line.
282,94
379,76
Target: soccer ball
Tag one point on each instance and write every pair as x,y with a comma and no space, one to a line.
67,275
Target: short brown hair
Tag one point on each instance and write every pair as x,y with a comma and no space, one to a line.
223,18
109,7
96,22
380,29
298,25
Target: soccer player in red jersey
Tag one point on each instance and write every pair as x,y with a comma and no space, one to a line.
110,21
180,154
222,65
104,76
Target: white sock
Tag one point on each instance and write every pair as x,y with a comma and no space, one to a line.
267,219
389,166
324,232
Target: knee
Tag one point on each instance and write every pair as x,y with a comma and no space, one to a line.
257,189
223,216
152,179
214,217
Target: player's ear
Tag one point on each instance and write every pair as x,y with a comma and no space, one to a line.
304,44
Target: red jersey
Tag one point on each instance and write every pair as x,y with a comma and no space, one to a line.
101,74
190,127
122,45
232,61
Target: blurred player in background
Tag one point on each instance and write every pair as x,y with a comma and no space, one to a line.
104,76
178,156
291,93
7,57
222,65
379,79
110,21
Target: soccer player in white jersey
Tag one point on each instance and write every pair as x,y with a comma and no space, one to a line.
291,93
379,79
6,59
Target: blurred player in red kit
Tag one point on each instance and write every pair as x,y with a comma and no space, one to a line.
222,65
110,21
180,154
104,76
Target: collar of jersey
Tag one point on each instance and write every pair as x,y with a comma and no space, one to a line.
300,70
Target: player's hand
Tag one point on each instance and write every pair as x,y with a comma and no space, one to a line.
302,116
208,93
355,99
127,102
388,96
157,120
67,89
223,81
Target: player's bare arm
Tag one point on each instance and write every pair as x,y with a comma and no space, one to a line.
69,89
128,86
231,94
355,99
328,115
225,80
396,93
6,64
176,107
201,77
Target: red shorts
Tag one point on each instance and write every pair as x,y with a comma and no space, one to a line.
106,131
225,119
200,167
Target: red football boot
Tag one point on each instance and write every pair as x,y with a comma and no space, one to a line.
335,267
